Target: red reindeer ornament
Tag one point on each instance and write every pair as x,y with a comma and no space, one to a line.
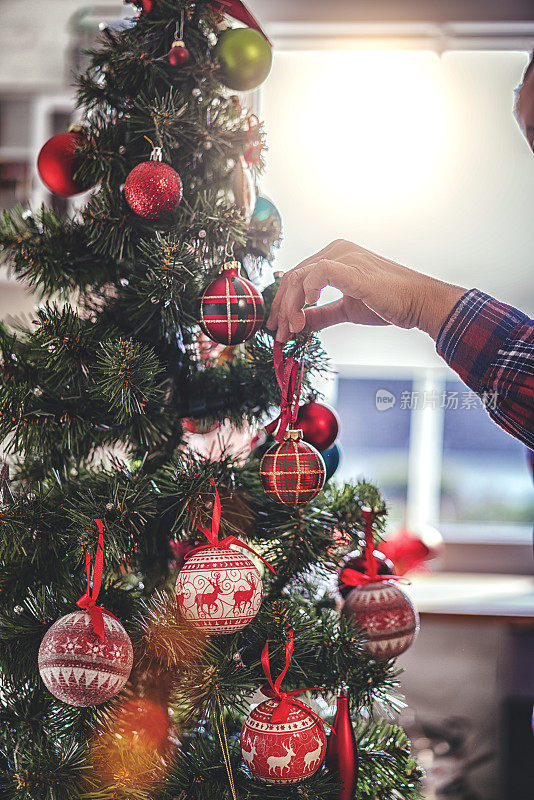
282,740
219,589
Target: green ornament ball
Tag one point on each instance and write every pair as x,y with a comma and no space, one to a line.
245,58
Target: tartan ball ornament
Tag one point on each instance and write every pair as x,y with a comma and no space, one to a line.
231,308
292,472
79,667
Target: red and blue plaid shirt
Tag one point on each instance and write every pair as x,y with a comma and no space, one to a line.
491,347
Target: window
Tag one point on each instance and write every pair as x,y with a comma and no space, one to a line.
417,157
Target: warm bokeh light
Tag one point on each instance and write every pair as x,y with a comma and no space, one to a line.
383,130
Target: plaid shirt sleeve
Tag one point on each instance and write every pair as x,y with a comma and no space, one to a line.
491,347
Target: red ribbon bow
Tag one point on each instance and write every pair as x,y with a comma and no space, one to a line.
287,699
213,534
351,577
88,601
289,377
239,11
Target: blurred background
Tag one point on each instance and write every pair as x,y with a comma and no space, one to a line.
388,123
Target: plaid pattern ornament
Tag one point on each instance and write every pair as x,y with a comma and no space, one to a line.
292,472
231,308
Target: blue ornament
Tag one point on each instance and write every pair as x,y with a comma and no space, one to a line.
266,213
331,458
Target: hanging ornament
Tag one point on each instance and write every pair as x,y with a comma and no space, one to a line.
282,740
219,589
86,657
58,162
267,216
231,308
153,189
342,752
319,423
255,145
357,561
292,472
243,188
245,57
331,458
179,55
377,606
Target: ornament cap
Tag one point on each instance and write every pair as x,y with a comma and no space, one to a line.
156,154
231,267
293,434
178,43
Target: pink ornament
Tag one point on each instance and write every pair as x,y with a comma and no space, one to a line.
219,590
386,615
79,667
283,752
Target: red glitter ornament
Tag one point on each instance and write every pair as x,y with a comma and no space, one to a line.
58,163
153,189
282,740
386,615
219,589
319,424
292,472
231,308
178,55
80,668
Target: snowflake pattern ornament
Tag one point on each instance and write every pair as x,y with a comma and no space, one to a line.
219,590
377,606
282,740
386,615
80,668
86,657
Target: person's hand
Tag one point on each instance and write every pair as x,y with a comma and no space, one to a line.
376,291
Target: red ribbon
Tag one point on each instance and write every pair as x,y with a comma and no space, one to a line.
289,377
213,534
239,11
253,152
351,577
88,601
286,699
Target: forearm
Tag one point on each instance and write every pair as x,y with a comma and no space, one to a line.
437,300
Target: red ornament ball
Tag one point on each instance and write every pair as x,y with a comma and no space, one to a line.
78,667
357,561
219,590
319,424
386,615
178,55
292,472
231,308
153,189
283,752
58,163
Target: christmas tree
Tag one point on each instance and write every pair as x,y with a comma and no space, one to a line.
124,673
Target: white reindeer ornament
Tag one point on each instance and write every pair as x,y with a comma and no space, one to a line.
282,740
